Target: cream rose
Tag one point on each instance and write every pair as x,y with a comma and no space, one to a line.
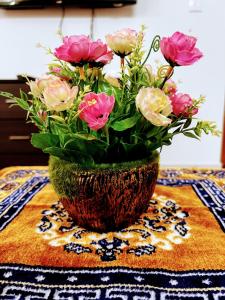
154,105
37,86
122,42
59,95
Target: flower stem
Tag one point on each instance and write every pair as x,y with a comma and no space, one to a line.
106,130
168,75
82,75
122,60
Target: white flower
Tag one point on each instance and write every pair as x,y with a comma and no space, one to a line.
122,42
154,105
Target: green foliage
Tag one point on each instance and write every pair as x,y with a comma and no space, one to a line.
127,135
125,123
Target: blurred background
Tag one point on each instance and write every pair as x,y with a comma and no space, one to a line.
21,30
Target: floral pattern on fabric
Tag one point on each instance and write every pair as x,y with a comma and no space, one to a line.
163,226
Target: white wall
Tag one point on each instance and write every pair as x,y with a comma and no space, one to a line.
20,31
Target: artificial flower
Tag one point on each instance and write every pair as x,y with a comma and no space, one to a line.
182,104
112,80
37,86
59,95
154,105
122,42
80,50
58,71
180,50
170,87
42,114
95,109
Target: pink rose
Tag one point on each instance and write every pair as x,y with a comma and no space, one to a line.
179,49
182,105
80,49
95,109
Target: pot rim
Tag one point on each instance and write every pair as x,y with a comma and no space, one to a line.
153,158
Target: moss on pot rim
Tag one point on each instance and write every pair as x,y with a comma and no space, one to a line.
65,176
127,165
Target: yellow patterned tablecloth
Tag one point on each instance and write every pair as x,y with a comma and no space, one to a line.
175,251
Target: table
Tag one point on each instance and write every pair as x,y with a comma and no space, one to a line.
175,251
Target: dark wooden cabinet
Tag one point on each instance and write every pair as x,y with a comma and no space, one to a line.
15,133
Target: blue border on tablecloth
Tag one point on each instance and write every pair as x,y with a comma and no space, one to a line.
12,205
208,192
109,283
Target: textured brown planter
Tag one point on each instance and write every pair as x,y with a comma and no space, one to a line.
107,197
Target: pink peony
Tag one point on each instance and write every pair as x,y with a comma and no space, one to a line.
182,105
95,109
179,49
80,49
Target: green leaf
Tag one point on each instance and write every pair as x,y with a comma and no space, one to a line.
22,103
153,132
85,136
44,140
110,90
23,95
58,128
176,123
166,142
125,123
37,121
153,146
187,123
177,130
70,155
57,118
198,131
190,135
104,87
133,151
86,144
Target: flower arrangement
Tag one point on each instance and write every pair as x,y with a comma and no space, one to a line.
88,117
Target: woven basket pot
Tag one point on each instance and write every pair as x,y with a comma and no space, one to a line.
107,197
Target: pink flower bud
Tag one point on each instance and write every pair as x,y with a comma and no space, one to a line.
170,87
58,72
182,105
42,115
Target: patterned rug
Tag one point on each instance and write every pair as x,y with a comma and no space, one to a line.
175,251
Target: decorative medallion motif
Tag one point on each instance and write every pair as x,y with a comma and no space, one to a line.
163,226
